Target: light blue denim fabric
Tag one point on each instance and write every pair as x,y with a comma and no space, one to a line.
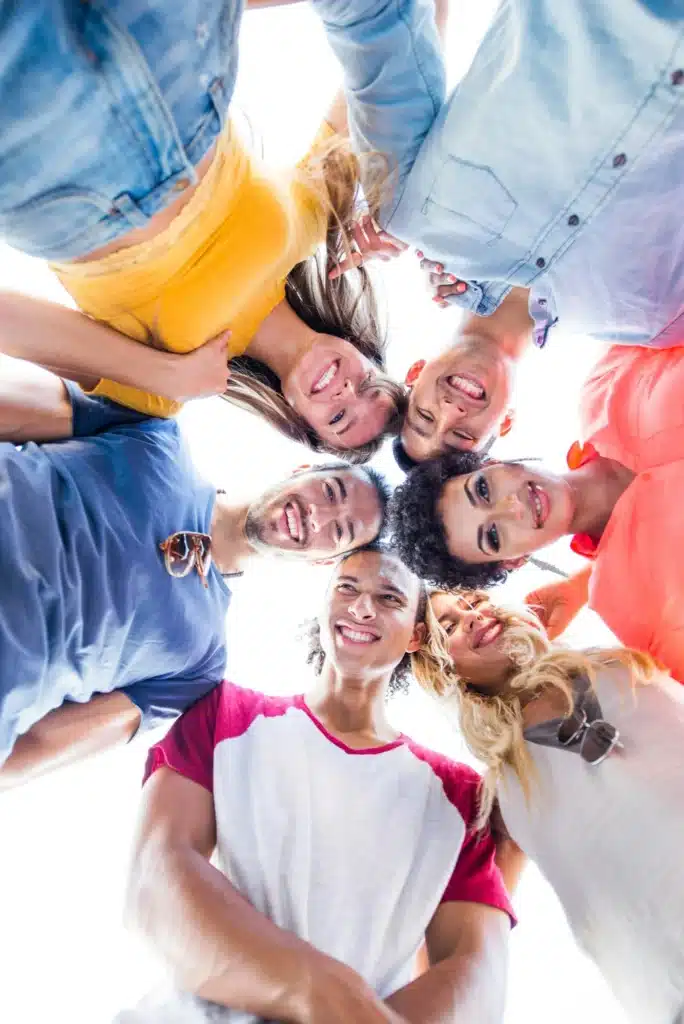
105,109
562,99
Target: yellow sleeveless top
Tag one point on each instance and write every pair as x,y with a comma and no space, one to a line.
221,264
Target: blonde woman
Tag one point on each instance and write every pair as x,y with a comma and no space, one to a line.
584,753
119,164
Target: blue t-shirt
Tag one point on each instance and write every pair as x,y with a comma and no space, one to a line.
86,603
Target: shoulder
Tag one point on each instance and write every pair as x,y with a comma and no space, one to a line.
461,783
238,708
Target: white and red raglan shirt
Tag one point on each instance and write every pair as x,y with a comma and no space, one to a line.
352,850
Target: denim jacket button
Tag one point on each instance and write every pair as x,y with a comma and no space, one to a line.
677,77
541,262
619,160
573,220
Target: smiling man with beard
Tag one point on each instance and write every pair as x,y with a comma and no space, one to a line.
114,554
342,845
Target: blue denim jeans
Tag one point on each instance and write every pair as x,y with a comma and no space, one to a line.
106,106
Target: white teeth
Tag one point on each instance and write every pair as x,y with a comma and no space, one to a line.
467,386
325,379
537,506
359,638
291,523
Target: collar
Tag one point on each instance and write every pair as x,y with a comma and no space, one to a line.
579,455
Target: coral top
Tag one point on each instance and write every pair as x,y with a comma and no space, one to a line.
222,263
632,410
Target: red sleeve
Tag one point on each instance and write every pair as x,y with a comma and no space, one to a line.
188,748
475,878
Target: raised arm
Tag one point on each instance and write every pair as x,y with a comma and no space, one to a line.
467,945
74,346
394,74
34,404
68,734
217,945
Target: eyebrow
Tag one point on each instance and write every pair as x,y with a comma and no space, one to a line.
480,529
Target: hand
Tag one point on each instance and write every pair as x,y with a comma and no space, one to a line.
336,994
201,373
440,283
557,604
371,243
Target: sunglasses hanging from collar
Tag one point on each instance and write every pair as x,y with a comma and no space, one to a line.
585,731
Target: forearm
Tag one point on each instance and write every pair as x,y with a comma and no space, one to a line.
216,944
466,989
72,345
68,734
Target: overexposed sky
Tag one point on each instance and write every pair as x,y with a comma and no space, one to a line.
64,841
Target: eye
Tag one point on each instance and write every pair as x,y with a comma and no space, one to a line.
449,627
329,493
336,418
346,588
482,489
493,538
338,532
391,599
425,415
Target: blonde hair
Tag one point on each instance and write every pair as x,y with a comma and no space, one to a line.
491,717
345,307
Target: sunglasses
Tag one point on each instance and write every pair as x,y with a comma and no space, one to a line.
186,551
597,739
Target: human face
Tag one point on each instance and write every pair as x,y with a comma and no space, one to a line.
475,635
369,621
316,514
458,400
503,512
331,387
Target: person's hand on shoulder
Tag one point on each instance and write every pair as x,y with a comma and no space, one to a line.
440,283
201,373
371,243
557,604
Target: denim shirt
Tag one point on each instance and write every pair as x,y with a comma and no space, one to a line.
500,180
106,107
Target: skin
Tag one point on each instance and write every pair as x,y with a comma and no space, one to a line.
476,634
315,515
370,616
347,411
441,415
505,511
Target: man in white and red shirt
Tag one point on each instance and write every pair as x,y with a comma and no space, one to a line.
342,845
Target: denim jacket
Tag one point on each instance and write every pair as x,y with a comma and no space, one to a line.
106,106
499,181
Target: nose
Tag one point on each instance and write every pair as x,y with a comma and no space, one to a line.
451,414
320,516
362,608
470,618
347,389
512,507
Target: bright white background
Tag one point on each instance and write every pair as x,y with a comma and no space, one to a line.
64,842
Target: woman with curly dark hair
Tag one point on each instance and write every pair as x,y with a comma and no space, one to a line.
464,520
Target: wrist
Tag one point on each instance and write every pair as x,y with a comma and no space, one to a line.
293,1001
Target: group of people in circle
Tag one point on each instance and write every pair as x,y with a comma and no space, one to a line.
543,195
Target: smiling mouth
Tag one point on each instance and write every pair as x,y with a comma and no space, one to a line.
467,385
326,378
355,634
488,633
292,523
539,503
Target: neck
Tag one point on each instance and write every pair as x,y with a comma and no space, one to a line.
509,327
281,340
352,707
229,545
597,487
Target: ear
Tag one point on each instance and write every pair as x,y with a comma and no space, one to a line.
417,639
414,372
507,423
514,563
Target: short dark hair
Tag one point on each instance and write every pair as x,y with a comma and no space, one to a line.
311,630
417,531
377,479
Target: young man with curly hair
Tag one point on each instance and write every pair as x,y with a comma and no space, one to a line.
343,845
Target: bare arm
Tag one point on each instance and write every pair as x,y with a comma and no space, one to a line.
69,734
557,604
216,944
76,347
466,984
34,405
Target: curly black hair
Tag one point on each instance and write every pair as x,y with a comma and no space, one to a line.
417,531
311,630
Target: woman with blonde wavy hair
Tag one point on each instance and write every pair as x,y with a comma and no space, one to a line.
584,752
123,165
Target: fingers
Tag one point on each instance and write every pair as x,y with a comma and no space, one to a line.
371,243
